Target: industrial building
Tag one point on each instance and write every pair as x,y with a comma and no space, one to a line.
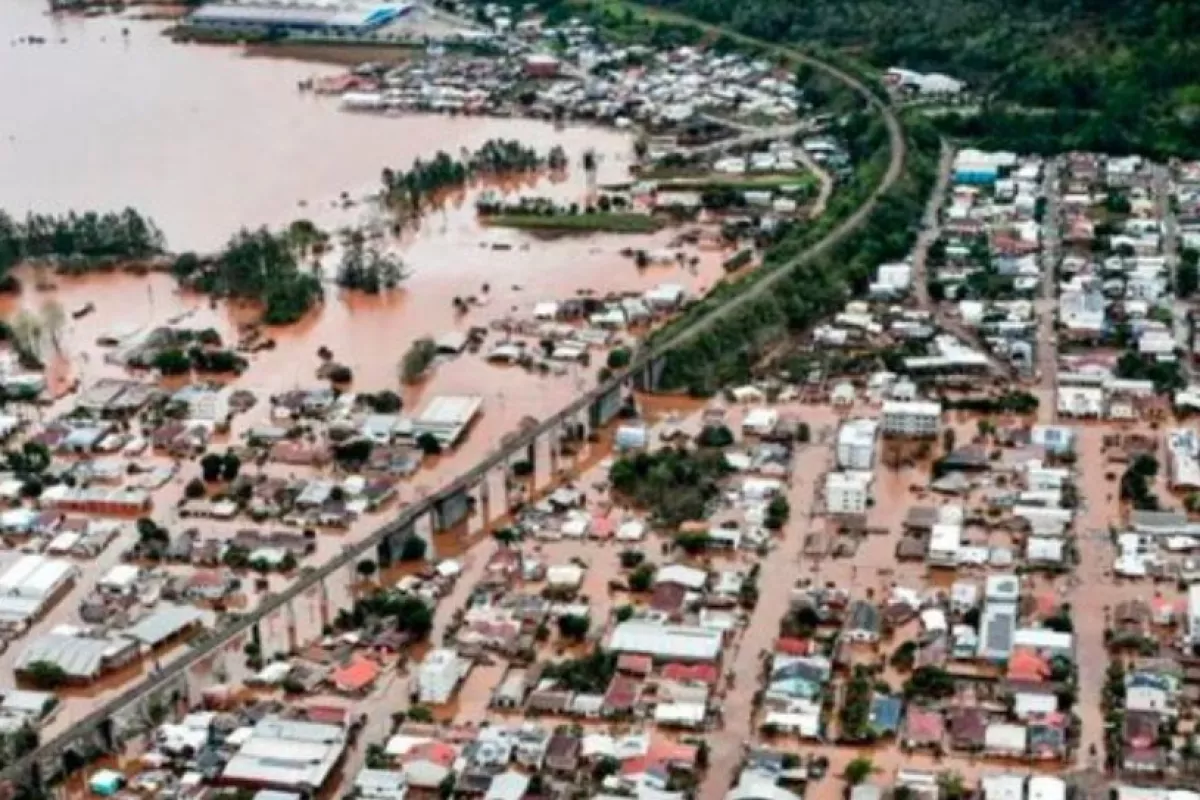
82,659
30,585
447,418
666,642
286,755
311,18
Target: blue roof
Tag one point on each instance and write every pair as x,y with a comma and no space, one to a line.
886,712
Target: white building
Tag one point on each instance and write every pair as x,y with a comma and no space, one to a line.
30,585
856,444
945,542
439,675
892,280
1183,451
1193,615
666,642
287,755
918,419
847,492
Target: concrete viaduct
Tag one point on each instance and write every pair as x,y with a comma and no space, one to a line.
133,710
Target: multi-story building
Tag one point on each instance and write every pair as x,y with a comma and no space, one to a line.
917,419
856,444
847,492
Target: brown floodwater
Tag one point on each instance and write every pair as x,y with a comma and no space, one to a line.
206,141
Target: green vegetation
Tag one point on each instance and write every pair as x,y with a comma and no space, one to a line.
17,743
1137,483
715,436
858,770
385,608
619,357
804,182
411,191
259,266
778,511
854,717
1053,75
417,360
594,222
365,268
77,242
676,485
590,673
413,549
1007,403
45,674
727,351
383,402
1187,275
1166,375
215,467
929,683
574,626
642,578
180,362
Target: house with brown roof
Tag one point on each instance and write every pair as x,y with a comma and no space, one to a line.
669,598
548,701
922,728
634,664
563,753
620,700
968,727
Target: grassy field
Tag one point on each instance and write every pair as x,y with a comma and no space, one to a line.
611,222
701,183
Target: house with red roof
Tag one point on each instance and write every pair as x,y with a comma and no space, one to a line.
1027,666
707,674
356,676
923,727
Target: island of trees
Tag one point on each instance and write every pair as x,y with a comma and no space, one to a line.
410,191
77,242
258,266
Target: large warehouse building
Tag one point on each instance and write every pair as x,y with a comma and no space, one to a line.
330,18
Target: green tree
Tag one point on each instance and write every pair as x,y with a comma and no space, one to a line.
417,360
211,466
413,549
619,358
573,626
642,578
858,770
230,466
429,444
45,674
172,362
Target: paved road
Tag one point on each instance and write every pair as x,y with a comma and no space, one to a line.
776,578
751,136
1180,307
930,231
931,228
1047,304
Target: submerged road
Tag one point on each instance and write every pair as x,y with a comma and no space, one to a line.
721,773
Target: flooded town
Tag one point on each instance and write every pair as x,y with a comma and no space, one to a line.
506,401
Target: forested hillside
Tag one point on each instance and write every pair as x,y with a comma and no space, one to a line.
1117,73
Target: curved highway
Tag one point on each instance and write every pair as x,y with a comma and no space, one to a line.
202,649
